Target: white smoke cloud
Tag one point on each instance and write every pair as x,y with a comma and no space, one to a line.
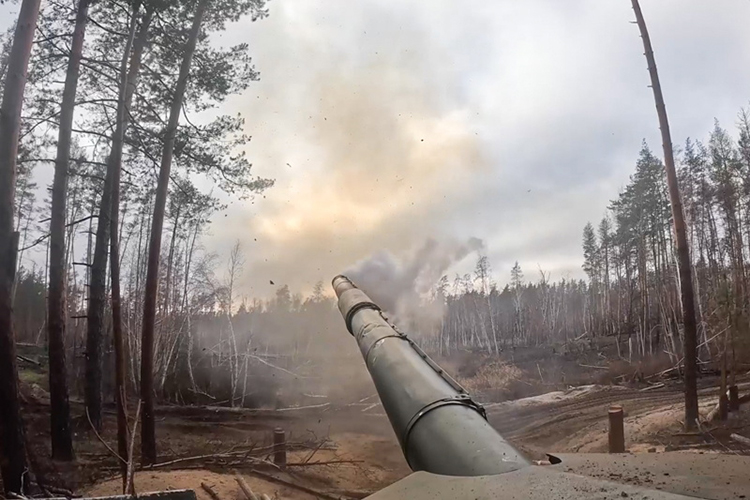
399,285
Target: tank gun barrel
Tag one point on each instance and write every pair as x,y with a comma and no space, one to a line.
440,428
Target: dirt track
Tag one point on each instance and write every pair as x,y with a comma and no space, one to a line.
577,421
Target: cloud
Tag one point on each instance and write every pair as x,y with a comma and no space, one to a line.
389,123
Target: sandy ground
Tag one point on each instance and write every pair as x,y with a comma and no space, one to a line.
355,479
576,420
358,438
363,464
224,485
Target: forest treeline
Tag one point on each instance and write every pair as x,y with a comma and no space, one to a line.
632,289
631,292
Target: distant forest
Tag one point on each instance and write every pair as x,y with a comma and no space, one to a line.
632,290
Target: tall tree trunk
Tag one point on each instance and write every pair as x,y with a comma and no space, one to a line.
62,442
97,299
97,294
683,251
12,445
128,82
148,431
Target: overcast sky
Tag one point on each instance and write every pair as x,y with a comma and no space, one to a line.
385,122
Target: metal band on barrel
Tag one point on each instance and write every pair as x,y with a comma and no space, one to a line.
354,310
460,400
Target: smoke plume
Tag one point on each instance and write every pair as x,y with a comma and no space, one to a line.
399,286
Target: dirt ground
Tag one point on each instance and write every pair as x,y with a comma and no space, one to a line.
339,451
542,400
575,421
349,451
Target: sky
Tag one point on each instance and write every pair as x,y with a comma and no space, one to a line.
387,123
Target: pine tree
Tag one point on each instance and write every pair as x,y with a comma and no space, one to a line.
683,251
12,444
62,442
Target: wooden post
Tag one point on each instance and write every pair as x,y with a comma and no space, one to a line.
734,398
616,430
279,447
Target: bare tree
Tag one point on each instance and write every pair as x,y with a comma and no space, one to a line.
683,251
234,268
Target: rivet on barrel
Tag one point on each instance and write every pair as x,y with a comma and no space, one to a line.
279,447
616,430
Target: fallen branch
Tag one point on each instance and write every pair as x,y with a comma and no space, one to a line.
198,391
113,452
708,433
681,447
28,360
734,437
352,493
312,453
210,491
241,454
292,408
225,456
329,462
667,371
594,366
368,397
245,488
57,490
276,367
274,479
235,410
652,387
